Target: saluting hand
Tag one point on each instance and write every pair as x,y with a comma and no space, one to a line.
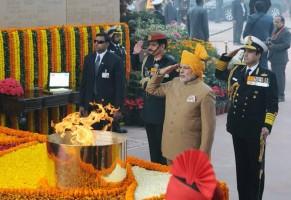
138,47
233,53
168,69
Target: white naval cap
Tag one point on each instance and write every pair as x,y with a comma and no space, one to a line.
254,43
157,2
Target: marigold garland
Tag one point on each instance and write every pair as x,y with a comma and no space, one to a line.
81,48
162,168
28,60
84,43
2,73
13,133
124,189
95,30
29,71
2,62
14,52
147,164
130,191
16,141
56,65
224,189
56,50
20,146
71,66
42,58
127,48
162,196
41,47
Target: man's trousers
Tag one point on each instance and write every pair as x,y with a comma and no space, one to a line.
249,185
279,71
154,134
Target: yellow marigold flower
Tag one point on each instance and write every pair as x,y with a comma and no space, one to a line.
25,167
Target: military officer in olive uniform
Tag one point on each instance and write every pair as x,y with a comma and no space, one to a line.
254,106
154,107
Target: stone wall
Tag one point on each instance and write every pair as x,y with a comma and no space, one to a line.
26,13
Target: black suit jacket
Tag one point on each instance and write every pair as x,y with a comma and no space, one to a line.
252,107
237,11
110,89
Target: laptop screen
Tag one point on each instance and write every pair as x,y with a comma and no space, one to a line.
59,80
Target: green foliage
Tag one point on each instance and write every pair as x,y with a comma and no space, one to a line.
134,89
146,22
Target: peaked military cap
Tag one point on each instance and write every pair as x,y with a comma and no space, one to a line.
254,43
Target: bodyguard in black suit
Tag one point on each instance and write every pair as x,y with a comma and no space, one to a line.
239,13
102,78
254,106
154,107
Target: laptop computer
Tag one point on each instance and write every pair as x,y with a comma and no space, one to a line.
59,82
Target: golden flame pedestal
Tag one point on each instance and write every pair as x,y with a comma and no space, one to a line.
77,165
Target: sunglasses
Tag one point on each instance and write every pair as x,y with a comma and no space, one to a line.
99,41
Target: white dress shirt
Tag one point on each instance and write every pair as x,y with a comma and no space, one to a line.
252,68
101,56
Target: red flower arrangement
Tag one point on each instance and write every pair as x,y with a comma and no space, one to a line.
131,104
219,91
10,86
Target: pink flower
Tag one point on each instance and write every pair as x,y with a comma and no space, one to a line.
218,91
177,35
10,86
131,104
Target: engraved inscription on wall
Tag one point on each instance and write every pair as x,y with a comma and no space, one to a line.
24,13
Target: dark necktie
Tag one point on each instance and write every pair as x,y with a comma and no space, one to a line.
247,74
97,64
